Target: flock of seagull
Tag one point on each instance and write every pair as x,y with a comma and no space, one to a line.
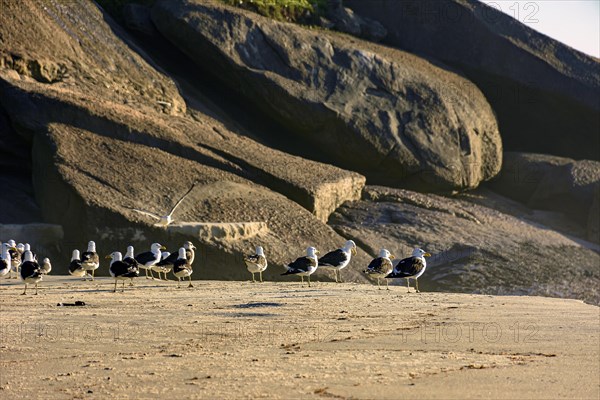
20,259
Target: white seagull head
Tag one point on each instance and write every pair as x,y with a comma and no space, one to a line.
260,251
181,255
28,256
350,246
91,246
189,245
384,253
157,247
75,255
312,252
420,253
116,256
130,252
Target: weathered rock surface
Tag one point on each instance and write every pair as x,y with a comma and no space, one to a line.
474,246
345,20
539,88
390,115
551,183
114,133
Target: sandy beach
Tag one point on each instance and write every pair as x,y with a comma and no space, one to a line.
283,341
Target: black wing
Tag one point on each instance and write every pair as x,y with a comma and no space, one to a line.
333,258
90,257
252,258
131,261
30,269
123,269
75,266
179,265
301,264
170,260
407,267
146,257
14,255
379,265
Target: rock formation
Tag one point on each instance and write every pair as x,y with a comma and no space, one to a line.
544,93
393,117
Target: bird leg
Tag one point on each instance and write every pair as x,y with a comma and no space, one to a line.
131,282
253,277
93,272
335,275
123,287
302,278
387,284
309,281
408,284
340,273
151,273
260,274
378,285
115,291
24,291
190,285
178,282
36,289
417,285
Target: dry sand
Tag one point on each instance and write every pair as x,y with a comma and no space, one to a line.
281,340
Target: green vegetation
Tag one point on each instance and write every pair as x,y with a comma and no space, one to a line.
302,11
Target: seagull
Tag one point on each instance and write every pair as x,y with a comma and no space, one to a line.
15,257
182,267
147,259
256,262
76,267
5,260
168,259
338,259
411,267
90,259
46,266
130,259
304,266
380,267
190,252
31,272
165,220
121,270
165,265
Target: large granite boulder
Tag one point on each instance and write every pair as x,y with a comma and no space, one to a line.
544,92
475,248
392,116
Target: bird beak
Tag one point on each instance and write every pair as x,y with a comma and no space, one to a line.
353,251
392,256
426,255
108,256
163,248
13,248
317,252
